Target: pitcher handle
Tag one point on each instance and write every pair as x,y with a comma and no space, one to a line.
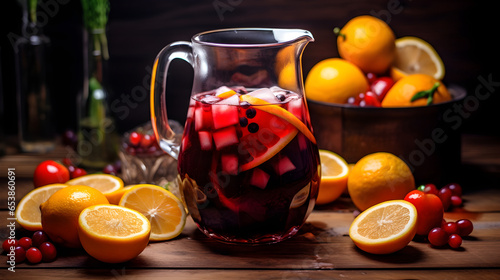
159,119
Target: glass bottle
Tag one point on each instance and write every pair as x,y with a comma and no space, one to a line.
97,137
35,121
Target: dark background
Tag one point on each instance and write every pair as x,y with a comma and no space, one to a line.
464,33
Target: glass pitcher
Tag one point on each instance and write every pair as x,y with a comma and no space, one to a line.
248,163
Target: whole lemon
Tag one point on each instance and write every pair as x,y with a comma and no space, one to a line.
367,42
60,213
334,80
431,91
379,177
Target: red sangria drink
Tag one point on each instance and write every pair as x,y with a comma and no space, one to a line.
249,167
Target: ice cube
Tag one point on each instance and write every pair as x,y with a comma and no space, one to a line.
222,90
233,100
210,99
264,94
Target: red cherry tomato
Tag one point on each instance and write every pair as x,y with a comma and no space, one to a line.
50,172
429,210
381,86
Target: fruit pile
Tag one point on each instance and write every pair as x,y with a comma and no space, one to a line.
78,212
377,70
382,183
141,143
35,249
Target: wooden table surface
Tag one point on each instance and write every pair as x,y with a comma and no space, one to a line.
321,250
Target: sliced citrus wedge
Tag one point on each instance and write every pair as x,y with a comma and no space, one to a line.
28,213
105,183
385,228
114,197
334,173
163,209
414,55
112,233
281,113
271,152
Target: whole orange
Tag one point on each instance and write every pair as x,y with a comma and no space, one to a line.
367,42
379,177
402,92
334,80
60,213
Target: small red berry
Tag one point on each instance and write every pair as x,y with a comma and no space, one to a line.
465,227
456,201
147,140
76,172
445,196
135,138
38,238
20,254
450,228
25,242
431,188
455,241
438,237
33,255
455,189
49,252
11,242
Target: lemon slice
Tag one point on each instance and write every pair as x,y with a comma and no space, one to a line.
112,233
334,173
385,228
28,213
105,183
414,55
164,210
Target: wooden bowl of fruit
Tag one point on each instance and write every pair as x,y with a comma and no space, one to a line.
387,95
427,138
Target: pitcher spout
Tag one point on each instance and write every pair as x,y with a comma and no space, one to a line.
293,36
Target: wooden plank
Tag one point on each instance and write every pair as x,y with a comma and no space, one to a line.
322,244
209,274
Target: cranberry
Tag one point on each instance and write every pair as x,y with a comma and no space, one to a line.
450,228
49,252
20,254
38,238
455,188
371,77
147,140
75,172
25,242
110,169
465,227
445,196
11,242
438,237
456,201
455,241
34,255
431,188
135,138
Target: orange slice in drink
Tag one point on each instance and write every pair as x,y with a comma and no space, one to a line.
385,228
281,113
